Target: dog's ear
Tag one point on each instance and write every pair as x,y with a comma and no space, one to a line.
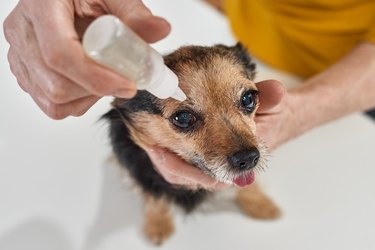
244,58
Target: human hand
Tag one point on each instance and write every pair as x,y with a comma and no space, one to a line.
47,57
272,114
178,172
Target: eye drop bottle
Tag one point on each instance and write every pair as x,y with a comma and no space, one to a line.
112,44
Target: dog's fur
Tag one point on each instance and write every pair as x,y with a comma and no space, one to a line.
214,80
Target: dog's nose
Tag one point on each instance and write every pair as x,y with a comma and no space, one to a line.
244,159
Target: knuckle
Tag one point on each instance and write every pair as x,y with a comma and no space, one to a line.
10,55
55,111
8,28
12,64
19,70
12,25
57,92
22,85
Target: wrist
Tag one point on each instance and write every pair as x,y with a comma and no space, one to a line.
294,122
316,102
327,96
304,115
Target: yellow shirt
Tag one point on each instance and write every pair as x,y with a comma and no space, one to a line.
301,36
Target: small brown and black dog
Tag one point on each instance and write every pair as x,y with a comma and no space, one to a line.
213,129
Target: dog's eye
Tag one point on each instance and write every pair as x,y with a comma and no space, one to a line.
249,100
183,119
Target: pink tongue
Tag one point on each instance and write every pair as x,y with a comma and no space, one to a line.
245,180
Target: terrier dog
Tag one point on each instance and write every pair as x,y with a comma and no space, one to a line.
213,130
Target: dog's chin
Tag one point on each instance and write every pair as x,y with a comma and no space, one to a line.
224,173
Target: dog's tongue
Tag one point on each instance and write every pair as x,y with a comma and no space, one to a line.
245,180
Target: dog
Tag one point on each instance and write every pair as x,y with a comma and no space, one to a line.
213,130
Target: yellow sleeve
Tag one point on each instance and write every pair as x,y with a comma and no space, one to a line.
370,36
301,37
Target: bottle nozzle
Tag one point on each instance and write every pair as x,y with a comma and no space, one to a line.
166,85
179,95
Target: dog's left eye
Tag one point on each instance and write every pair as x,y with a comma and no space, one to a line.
183,119
249,100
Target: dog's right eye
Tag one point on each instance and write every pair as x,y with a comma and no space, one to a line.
249,101
183,119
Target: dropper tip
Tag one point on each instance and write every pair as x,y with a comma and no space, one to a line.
179,95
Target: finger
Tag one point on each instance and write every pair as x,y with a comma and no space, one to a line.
219,186
11,26
56,87
62,51
271,93
83,105
140,19
170,163
61,111
151,29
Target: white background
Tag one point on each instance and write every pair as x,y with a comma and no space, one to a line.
59,188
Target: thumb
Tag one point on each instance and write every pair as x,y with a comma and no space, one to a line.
271,93
140,19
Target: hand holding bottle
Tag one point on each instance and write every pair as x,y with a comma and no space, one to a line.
47,57
112,44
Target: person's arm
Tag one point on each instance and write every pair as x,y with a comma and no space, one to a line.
346,87
47,57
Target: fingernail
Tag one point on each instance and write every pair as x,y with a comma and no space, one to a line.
125,93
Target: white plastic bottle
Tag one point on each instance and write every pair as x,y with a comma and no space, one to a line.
112,44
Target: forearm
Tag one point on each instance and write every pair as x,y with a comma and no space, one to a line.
346,87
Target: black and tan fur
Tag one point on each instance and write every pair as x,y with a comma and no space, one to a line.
214,80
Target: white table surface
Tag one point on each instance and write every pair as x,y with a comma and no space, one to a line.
59,189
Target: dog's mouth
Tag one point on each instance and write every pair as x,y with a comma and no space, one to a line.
223,173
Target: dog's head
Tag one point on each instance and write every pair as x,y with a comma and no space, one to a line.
214,127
